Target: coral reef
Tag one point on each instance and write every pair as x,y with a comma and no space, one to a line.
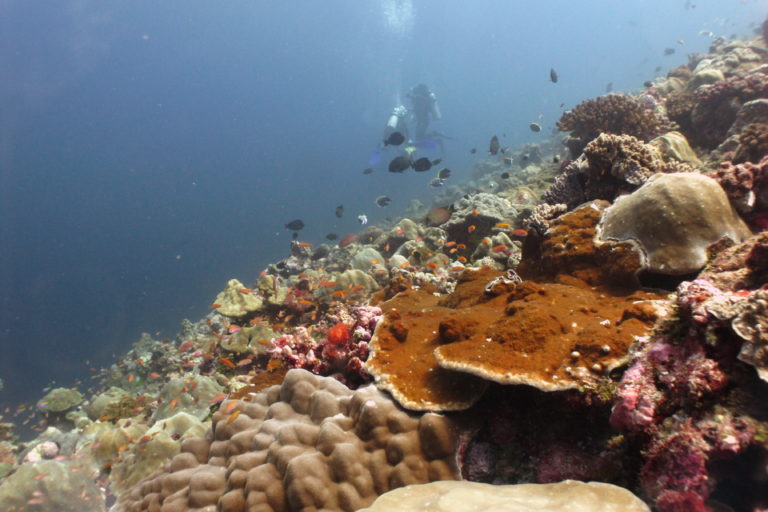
613,113
340,353
566,496
51,486
309,444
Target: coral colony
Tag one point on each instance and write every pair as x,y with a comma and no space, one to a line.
597,314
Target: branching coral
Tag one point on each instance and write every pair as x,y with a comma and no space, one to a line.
745,184
613,113
719,103
753,143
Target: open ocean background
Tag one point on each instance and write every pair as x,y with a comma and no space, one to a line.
150,151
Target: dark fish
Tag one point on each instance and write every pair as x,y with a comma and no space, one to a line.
505,175
669,51
535,127
394,139
422,164
647,83
340,211
508,161
437,161
553,75
332,236
494,146
525,157
444,173
555,159
295,225
473,151
368,171
504,150
399,164
657,69
609,87
295,235
383,201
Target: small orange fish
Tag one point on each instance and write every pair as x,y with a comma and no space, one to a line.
500,248
130,378
244,362
386,247
502,225
456,269
274,364
218,398
374,262
741,293
461,246
432,265
486,241
145,439
215,306
40,476
520,233
154,375
227,362
404,264
338,293
233,328
173,403
186,345
305,302
229,407
245,290
453,251
471,228
474,212
399,231
264,342
304,244
450,244
232,417
462,259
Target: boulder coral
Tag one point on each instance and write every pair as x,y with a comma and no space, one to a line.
309,444
672,219
566,496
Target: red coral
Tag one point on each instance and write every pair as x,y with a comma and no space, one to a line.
338,334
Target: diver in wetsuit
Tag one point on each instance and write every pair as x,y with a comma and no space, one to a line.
423,108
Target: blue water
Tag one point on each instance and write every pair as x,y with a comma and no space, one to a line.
149,151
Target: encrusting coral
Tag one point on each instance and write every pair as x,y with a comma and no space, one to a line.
310,444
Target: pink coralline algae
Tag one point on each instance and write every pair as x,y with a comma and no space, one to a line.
341,351
673,397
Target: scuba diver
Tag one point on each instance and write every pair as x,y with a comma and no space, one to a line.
423,108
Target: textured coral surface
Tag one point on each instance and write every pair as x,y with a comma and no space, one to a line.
310,444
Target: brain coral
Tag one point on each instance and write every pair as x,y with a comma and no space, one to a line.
310,444
673,218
